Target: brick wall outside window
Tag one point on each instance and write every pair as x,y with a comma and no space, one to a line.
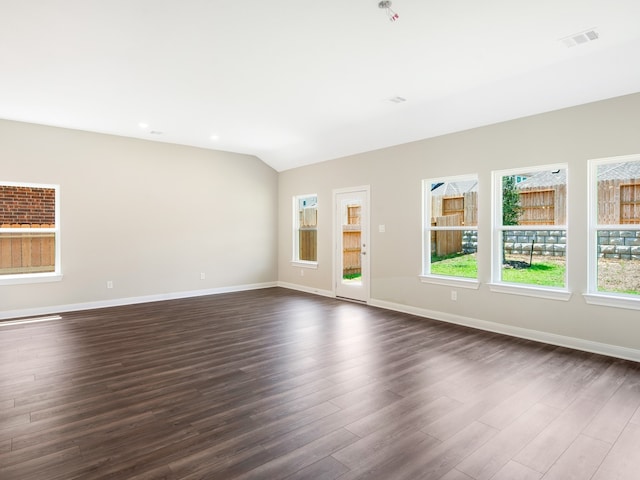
27,205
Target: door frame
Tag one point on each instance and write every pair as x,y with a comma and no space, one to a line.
366,236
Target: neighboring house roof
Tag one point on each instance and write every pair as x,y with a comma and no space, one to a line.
612,171
544,179
451,189
619,171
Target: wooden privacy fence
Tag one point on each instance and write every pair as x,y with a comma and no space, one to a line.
465,205
27,252
546,206
618,202
308,240
351,250
449,241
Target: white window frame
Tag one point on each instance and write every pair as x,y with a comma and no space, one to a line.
295,261
593,296
496,284
426,276
37,277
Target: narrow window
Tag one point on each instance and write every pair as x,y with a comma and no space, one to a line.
305,229
29,233
450,229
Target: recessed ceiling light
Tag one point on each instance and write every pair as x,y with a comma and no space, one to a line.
215,138
143,125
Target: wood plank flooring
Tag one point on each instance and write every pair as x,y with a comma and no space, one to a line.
276,384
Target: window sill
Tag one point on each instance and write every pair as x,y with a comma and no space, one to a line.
612,300
303,264
530,291
21,279
459,282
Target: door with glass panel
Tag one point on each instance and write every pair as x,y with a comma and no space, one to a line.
351,243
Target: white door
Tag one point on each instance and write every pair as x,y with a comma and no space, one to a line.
351,241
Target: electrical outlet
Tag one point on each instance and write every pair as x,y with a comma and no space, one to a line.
109,283
302,272
202,276
454,295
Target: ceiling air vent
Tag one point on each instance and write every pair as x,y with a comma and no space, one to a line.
580,38
397,99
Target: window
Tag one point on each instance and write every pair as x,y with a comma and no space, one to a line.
305,230
29,233
530,231
614,232
450,230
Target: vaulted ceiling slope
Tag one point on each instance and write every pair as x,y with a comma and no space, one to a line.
296,82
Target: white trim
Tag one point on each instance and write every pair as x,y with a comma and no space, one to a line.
519,332
306,289
24,278
116,302
593,295
296,227
56,275
530,291
303,264
612,300
450,281
24,321
498,229
427,228
30,184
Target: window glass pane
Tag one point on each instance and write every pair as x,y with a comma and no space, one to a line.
22,210
351,241
618,249
534,203
27,252
455,265
618,272
307,228
454,202
24,205
618,192
534,198
534,257
451,226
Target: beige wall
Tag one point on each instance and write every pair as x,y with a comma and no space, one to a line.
151,216
575,135
148,216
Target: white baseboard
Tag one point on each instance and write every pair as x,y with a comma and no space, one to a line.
30,312
303,288
536,335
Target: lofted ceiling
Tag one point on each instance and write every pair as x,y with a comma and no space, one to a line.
296,82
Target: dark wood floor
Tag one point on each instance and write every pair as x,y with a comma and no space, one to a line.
274,384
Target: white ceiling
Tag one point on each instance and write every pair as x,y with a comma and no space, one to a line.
296,82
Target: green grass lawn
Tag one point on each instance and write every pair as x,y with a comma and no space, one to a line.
455,265
543,273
